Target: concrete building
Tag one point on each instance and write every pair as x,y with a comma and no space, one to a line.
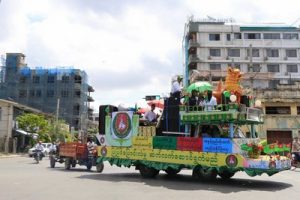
13,139
267,54
63,91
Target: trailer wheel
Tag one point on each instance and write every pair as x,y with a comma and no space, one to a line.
67,163
171,171
73,163
148,172
52,161
204,173
89,165
226,174
100,167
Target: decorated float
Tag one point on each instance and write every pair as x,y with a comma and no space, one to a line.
232,144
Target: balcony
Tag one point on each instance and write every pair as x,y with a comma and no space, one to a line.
90,89
193,43
90,99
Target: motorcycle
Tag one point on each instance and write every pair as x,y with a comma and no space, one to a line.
38,155
295,160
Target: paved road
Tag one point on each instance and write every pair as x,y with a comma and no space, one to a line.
21,179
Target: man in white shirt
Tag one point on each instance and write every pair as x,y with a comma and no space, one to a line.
150,115
39,146
176,87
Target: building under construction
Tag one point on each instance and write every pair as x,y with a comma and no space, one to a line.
62,91
268,55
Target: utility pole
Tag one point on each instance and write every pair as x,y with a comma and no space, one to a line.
57,113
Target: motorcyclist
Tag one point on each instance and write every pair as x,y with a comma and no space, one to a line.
39,146
39,149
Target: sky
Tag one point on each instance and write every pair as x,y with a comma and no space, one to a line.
128,48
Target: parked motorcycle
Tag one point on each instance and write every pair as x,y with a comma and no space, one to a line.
38,155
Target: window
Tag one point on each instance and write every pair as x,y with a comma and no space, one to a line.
65,79
234,52
214,37
292,53
77,93
36,79
252,36
38,93
22,79
273,67
273,84
272,52
22,93
235,65
31,93
272,36
255,68
215,52
292,68
284,110
228,37
50,93
237,36
290,36
255,52
298,110
51,79
64,93
215,66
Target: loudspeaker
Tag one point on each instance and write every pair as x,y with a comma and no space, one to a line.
102,113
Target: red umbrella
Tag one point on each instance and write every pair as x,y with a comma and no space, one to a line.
142,110
158,103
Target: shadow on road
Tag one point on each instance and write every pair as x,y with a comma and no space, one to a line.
187,182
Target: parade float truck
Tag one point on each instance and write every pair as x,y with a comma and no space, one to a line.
232,144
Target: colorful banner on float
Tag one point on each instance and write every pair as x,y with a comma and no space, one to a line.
172,156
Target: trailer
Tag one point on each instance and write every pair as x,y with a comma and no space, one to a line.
73,153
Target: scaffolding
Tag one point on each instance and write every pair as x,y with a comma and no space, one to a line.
41,87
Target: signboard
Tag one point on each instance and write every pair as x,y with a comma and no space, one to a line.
172,156
217,145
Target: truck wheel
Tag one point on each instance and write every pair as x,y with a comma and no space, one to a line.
100,167
52,161
226,174
148,172
67,163
171,172
204,173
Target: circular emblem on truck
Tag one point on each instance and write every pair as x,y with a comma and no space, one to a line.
122,125
231,161
103,151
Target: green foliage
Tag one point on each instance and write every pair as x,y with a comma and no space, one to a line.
58,131
34,123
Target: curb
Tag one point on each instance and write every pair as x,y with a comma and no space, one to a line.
10,156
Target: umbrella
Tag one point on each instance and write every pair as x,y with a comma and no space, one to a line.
199,86
159,103
142,110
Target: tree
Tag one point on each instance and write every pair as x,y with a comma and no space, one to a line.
60,131
35,124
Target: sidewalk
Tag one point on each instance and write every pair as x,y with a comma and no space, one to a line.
10,155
